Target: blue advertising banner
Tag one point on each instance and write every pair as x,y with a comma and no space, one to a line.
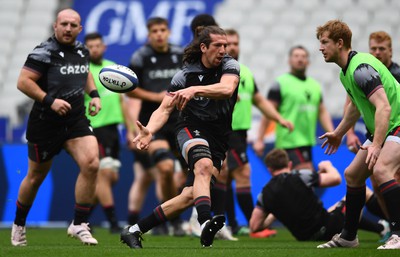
55,200
15,163
123,22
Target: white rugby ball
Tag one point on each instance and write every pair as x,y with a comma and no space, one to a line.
118,78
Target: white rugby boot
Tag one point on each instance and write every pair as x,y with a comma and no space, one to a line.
18,235
82,232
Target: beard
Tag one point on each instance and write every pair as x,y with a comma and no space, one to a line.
96,60
234,55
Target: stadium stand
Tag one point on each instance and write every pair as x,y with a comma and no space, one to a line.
289,22
267,28
23,23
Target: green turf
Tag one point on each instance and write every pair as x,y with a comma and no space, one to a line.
55,243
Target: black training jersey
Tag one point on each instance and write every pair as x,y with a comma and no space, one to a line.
290,197
394,68
214,115
64,72
155,71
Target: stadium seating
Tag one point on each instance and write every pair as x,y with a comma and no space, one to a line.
289,22
23,24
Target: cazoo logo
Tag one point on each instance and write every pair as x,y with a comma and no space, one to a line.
74,69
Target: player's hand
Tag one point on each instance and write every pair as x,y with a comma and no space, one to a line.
332,142
287,124
324,165
372,155
353,142
94,106
259,147
182,97
61,107
143,139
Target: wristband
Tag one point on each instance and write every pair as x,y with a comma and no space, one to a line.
48,100
94,93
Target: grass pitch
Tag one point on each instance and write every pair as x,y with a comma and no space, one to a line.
46,242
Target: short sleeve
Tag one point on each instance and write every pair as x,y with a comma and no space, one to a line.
367,78
178,82
309,177
38,60
231,66
274,94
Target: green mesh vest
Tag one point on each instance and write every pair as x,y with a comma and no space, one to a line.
300,105
241,117
110,112
366,108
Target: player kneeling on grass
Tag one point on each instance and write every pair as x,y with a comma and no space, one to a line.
289,197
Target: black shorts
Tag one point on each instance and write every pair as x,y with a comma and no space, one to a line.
144,159
300,154
46,139
237,153
167,133
108,139
334,224
216,144
394,132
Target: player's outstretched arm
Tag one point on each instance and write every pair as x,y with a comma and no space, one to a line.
146,95
328,175
352,140
260,220
334,139
270,111
157,120
325,118
259,144
222,90
143,138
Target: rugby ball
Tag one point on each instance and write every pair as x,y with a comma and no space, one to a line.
118,78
